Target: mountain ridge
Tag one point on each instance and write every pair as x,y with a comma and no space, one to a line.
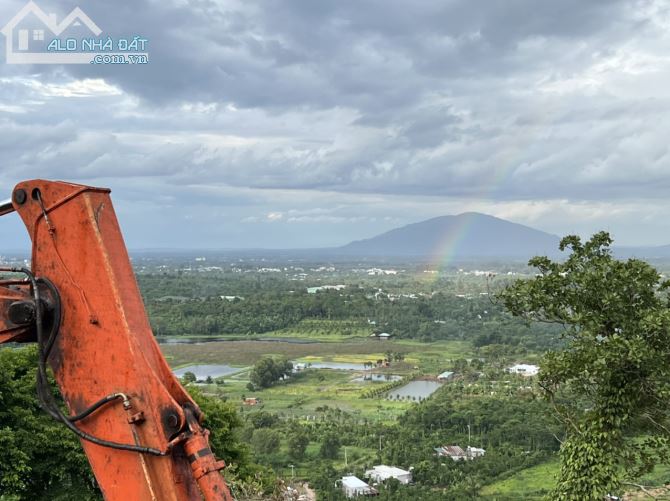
465,235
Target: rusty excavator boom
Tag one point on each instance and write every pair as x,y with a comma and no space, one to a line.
80,303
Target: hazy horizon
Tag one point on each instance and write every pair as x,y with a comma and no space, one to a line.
191,248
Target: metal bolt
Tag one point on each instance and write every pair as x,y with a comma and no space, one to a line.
21,312
137,418
20,196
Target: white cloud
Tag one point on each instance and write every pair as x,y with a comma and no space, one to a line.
274,216
87,87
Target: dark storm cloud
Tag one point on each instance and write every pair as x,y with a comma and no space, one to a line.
515,105
370,55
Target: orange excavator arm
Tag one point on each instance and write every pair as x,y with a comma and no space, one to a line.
80,302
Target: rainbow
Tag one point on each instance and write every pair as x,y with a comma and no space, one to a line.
445,250
443,254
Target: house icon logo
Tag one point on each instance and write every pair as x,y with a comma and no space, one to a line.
18,38
35,37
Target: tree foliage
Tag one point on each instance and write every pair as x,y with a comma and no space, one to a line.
330,446
266,441
190,304
39,458
297,444
267,371
610,384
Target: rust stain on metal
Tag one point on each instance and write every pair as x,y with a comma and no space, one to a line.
98,211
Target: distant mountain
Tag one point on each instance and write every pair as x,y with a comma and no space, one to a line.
466,236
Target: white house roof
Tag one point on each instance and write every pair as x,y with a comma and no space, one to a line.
451,450
387,471
353,482
385,334
49,21
445,375
524,369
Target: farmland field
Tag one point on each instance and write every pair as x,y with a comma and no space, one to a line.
302,394
247,352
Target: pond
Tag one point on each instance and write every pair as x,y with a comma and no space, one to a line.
414,389
203,371
344,366
377,377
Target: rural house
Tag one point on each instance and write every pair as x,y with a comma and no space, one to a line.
456,453
446,376
452,451
524,370
382,472
354,487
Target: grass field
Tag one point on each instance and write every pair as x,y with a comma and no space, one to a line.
316,389
306,392
432,356
537,481
531,483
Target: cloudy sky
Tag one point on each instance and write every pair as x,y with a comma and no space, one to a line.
304,123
